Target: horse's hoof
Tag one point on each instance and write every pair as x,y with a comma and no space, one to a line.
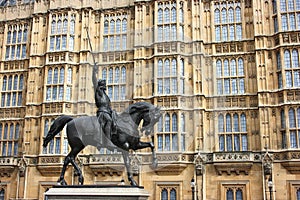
62,182
80,180
133,183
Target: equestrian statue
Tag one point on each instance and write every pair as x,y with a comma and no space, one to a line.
106,130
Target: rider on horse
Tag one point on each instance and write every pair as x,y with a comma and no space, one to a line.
104,112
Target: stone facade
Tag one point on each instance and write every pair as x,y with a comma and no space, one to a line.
225,73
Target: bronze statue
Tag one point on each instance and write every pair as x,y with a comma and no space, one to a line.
107,129
96,131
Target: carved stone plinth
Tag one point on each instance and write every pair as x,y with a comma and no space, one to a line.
96,192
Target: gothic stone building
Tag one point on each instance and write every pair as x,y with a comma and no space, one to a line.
225,73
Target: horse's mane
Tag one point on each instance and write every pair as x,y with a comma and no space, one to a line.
139,107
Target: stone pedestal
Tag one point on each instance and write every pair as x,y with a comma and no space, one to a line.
96,192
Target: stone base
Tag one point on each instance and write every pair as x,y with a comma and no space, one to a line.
96,192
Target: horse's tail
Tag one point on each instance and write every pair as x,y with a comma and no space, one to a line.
58,125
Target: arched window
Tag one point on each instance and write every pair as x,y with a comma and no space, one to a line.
17,130
25,35
295,58
173,15
8,39
5,133
174,67
228,123
53,27
181,16
112,26
49,78
117,75
4,83
243,123
59,26
287,59
55,78
173,194
123,75
160,68
292,121
124,25
106,25
19,36
241,66
181,64
226,68
110,75
224,16
239,194
174,123
72,27
217,16
21,82
167,15
221,123
160,16
118,26
219,68
9,83
167,67
233,67
164,194
236,123
14,38
65,26
167,123
230,15
11,131
238,14
104,74
62,75
229,194
16,78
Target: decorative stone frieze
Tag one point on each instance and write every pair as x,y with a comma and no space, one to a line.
107,164
7,166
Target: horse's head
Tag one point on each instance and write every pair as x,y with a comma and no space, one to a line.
150,119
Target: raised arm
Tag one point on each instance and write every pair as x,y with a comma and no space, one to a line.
94,76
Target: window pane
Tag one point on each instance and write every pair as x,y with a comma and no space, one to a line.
221,143
229,142
229,194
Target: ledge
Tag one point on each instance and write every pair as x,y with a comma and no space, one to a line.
236,168
7,166
107,169
170,169
292,167
50,165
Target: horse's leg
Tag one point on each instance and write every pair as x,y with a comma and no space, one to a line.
154,157
61,179
73,154
142,145
128,168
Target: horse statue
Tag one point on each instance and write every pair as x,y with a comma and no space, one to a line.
85,131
